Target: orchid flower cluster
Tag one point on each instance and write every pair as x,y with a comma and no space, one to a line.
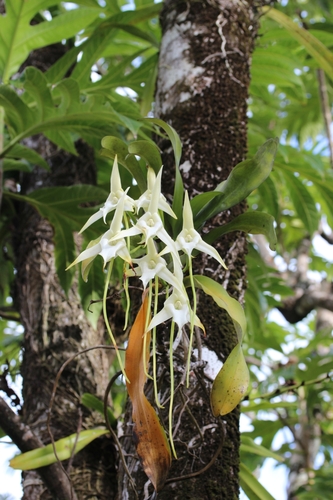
144,217
115,242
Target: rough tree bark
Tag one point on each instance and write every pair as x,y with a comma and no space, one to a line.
56,328
202,92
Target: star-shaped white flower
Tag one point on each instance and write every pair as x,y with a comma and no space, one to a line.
106,246
145,198
116,192
151,224
177,308
151,265
189,239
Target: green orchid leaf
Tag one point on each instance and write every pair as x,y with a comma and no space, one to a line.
172,134
223,299
113,146
199,201
250,222
230,384
249,446
243,179
64,448
251,486
149,152
93,403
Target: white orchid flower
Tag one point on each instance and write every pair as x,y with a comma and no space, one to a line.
145,198
151,265
177,308
151,224
116,192
189,239
106,246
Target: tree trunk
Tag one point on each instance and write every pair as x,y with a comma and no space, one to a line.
202,92
55,329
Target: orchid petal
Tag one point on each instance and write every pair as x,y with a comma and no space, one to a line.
151,265
189,239
98,215
176,307
88,253
155,193
206,248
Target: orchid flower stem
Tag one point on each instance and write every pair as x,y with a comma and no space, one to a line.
157,401
113,340
172,388
189,353
147,321
128,301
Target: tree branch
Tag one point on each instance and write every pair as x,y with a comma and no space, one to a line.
52,475
296,308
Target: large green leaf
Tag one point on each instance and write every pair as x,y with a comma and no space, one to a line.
251,486
274,66
22,152
18,36
304,204
250,222
224,300
41,457
314,47
61,206
249,446
243,179
58,115
231,383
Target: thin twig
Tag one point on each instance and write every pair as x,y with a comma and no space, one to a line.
288,388
204,469
78,430
114,435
